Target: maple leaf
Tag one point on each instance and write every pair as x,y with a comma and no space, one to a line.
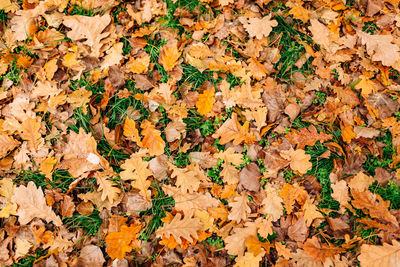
152,138
119,243
376,256
240,208
231,130
32,204
257,27
181,228
206,101
306,137
89,29
169,55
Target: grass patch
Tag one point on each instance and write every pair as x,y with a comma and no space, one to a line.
287,38
390,192
61,179
161,204
372,162
90,224
321,169
29,260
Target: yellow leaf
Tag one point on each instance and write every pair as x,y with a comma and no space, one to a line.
70,61
139,64
152,139
131,131
206,101
7,143
169,55
367,86
257,27
47,166
347,133
311,212
137,170
50,68
31,132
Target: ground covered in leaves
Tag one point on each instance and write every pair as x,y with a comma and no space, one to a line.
199,133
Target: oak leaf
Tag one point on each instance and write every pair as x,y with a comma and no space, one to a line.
231,130
306,137
119,243
131,131
229,174
139,64
181,228
340,192
6,192
188,179
235,243
320,252
377,256
89,29
137,170
7,143
272,203
361,182
169,55
257,27
108,189
299,160
152,139
249,260
311,212
31,132
240,208
32,204
374,205
291,194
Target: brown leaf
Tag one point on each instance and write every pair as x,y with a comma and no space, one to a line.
375,256
320,252
306,137
67,206
240,208
299,230
249,177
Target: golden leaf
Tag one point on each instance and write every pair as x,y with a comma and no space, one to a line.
231,130
47,166
50,68
119,243
140,64
131,131
206,101
31,132
169,55
137,170
7,143
152,139
257,27
311,212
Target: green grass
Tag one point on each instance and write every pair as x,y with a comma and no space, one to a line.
90,224
82,121
321,169
390,192
3,16
291,50
61,179
372,162
13,73
29,260
195,77
161,204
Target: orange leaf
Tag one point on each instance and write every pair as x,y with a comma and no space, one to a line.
131,131
206,101
169,56
152,139
306,137
120,243
231,130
